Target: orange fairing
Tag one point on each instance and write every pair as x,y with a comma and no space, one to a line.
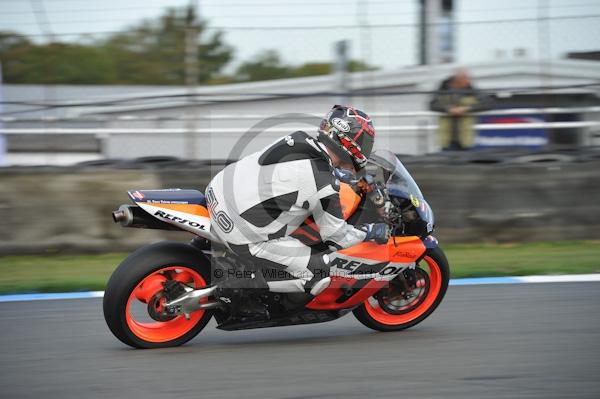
349,200
331,298
193,209
397,249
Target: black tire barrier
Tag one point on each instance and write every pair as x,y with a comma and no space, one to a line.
157,162
543,158
100,163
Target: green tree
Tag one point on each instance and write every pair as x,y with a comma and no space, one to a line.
268,65
265,66
360,66
53,63
152,52
325,68
313,68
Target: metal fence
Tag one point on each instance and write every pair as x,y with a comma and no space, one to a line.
416,137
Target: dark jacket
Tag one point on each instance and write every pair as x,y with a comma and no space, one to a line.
457,132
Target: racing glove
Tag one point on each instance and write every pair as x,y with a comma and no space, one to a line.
378,232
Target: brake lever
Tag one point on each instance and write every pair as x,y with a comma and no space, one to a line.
380,198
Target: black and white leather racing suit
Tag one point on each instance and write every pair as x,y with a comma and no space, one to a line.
257,202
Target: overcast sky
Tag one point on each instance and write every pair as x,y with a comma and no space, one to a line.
388,47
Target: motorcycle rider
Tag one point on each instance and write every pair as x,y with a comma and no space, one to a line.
258,201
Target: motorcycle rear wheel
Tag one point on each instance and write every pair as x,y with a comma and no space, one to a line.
432,277
135,293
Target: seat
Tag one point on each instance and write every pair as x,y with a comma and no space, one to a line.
169,196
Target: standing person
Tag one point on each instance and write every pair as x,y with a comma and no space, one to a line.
3,160
457,98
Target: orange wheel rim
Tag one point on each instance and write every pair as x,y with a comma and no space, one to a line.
435,285
157,331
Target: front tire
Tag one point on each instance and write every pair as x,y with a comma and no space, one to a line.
386,313
134,294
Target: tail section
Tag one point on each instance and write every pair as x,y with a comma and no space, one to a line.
184,209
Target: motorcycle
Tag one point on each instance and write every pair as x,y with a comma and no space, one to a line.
164,294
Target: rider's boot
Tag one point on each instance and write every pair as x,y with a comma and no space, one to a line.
319,266
317,286
319,269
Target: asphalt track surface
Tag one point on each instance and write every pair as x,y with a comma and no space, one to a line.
496,341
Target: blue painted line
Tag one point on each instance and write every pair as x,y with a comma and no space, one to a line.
454,282
485,280
52,296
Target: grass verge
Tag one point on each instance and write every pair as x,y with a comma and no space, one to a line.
64,273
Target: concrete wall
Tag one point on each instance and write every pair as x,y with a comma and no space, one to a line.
63,209
514,202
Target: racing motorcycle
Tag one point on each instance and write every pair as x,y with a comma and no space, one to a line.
164,294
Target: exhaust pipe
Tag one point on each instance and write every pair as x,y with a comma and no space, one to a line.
134,216
123,215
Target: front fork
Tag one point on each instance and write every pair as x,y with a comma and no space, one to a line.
406,281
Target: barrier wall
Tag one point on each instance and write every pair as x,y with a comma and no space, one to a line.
69,209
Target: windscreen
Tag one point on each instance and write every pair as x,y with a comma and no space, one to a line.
396,176
400,183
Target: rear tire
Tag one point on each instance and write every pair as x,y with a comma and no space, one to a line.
435,283
142,273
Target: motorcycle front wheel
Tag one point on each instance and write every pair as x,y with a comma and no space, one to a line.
401,306
137,290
